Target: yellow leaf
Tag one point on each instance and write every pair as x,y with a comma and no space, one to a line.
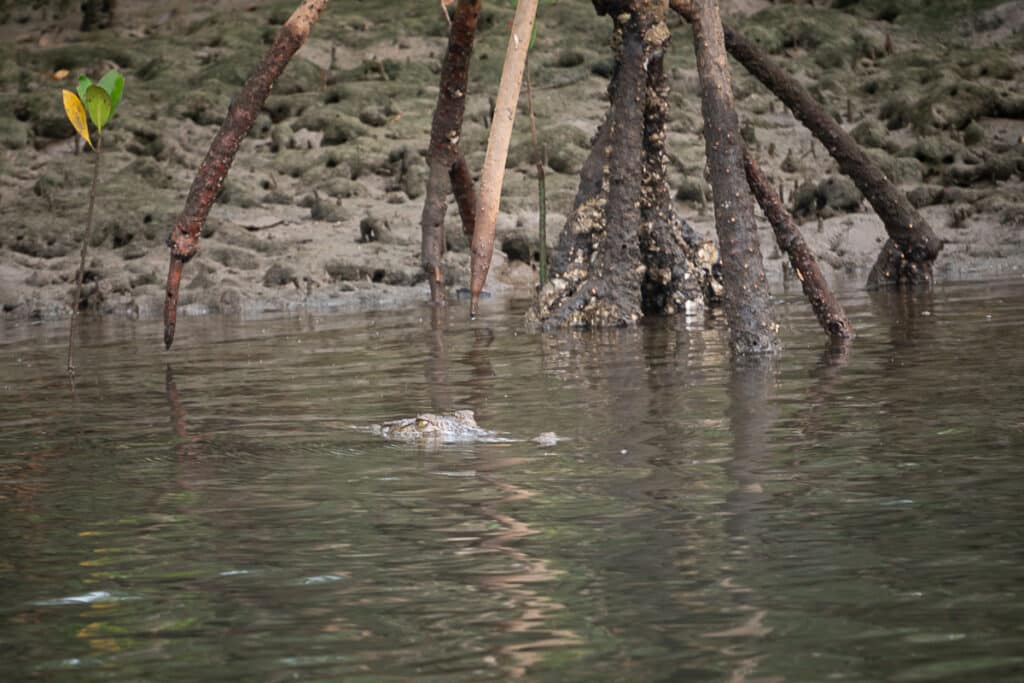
76,114
60,74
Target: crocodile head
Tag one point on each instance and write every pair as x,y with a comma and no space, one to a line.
460,424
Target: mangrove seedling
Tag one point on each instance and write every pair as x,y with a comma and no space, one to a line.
96,102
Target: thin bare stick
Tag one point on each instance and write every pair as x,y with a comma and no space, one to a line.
184,237
493,174
538,159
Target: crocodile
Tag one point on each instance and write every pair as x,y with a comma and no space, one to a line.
456,426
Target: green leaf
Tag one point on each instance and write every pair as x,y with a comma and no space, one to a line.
83,84
113,83
76,114
533,37
97,103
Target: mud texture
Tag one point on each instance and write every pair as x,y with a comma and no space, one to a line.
322,206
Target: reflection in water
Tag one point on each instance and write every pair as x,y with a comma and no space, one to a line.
517,589
849,514
909,315
751,416
482,374
436,366
188,447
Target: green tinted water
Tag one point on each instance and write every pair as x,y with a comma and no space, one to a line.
211,513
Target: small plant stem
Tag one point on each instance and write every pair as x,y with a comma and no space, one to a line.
81,262
542,224
538,157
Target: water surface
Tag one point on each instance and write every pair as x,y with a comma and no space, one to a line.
212,514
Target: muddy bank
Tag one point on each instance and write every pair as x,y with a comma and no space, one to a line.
322,206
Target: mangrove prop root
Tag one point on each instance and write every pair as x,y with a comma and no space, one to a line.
624,252
599,251
184,237
914,239
625,165
747,303
447,167
678,266
493,173
824,303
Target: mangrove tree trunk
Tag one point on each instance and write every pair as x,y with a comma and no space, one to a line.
624,252
747,301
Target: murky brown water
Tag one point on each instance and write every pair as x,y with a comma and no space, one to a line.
210,514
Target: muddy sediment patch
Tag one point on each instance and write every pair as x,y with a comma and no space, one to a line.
343,140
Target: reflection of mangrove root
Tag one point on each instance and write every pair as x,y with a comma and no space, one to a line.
188,448
536,608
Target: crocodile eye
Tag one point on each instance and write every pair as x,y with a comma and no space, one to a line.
421,423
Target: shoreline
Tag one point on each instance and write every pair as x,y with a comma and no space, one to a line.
339,151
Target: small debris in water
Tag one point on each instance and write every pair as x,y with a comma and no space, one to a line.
325,578
464,293
547,439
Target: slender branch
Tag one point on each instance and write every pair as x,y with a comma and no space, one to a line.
538,158
826,307
493,173
80,275
184,237
542,222
447,169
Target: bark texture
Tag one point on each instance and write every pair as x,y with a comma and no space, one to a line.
624,252
826,307
912,248
448,170
184,237
493,174
748,309
465,195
